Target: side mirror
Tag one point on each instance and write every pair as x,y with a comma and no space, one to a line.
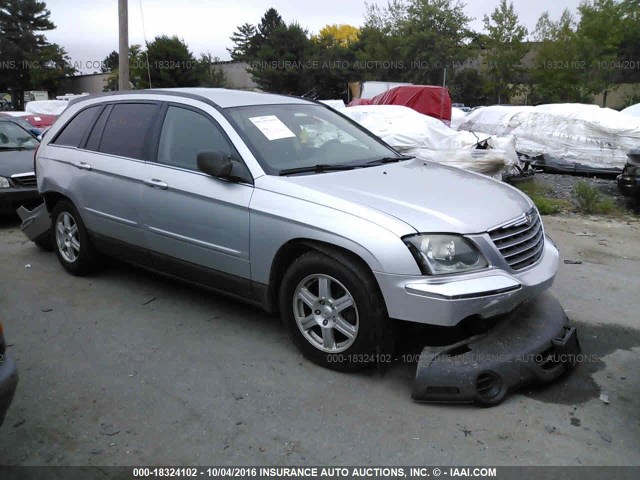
216,164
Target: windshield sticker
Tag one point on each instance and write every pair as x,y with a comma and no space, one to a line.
272,127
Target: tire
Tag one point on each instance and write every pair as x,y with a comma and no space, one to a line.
72,244
350,328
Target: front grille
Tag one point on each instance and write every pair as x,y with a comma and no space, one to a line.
25,180
522,242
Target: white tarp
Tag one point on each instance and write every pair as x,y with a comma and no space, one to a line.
583,134
426,137
46,107
457,117
337,104
633,110
373,88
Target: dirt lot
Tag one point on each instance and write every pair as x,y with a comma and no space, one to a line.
127,368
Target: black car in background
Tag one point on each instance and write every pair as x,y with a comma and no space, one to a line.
629,181
8,377
17,178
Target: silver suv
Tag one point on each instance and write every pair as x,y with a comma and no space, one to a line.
288,204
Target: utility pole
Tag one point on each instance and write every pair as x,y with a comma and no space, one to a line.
123,50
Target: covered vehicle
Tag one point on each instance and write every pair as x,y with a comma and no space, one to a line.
46,107
40,121
17,178
426,99
633,110
416,134
563,137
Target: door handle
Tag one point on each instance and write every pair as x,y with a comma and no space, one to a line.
83,165
155,183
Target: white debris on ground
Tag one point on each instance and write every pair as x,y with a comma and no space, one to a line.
583,134
425,137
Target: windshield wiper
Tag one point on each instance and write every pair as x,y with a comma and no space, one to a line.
383,160
320,168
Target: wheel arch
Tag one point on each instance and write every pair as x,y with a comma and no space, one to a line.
293,249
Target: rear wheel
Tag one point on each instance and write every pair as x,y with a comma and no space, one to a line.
73,246
334,312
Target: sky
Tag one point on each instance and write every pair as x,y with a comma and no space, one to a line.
88,30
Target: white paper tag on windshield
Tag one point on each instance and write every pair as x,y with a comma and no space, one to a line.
272,127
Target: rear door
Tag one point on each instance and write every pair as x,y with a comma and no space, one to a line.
113,163
195,222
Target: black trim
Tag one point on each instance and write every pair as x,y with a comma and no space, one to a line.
84,135
232,285
98,126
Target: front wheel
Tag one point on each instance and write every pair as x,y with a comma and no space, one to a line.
334,312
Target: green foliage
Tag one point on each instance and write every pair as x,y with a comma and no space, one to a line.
29,60
540,196
590,200
170,64
244,44
505,51
558,71
209,74
110,62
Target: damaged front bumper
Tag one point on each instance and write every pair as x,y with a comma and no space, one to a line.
532,344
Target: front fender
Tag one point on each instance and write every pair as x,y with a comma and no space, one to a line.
277,219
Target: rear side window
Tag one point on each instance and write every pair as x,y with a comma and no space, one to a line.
184,134
125,131
73,133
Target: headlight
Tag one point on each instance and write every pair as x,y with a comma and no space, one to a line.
440,254
4,183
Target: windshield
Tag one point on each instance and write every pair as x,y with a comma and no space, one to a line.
13,137
284,137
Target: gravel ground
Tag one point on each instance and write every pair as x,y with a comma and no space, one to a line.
562,186
128,368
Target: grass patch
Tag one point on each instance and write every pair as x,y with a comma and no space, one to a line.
539,195
590,200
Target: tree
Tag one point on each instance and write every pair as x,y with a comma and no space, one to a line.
558,72
209,74
337,35
269,23
111,62
419,38
50,65
169,63
599,36
279,64
245,46
137,69
23,48
470,87
505,51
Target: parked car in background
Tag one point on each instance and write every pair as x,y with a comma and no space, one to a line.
629,180
36,132
8,377
17,178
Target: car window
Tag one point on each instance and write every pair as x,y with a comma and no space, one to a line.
184,134
93,141
73,133
14,137
300,135
126,129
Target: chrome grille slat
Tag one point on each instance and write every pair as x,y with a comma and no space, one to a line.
520,245
24,180
522,248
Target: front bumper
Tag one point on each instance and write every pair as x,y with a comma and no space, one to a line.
12,198
8,383
445,301
532,344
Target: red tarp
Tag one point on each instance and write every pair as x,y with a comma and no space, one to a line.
426,99
38,121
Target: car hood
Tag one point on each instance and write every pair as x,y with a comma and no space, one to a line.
15,161
427,196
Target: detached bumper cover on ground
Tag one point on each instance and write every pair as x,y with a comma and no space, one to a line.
533,344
